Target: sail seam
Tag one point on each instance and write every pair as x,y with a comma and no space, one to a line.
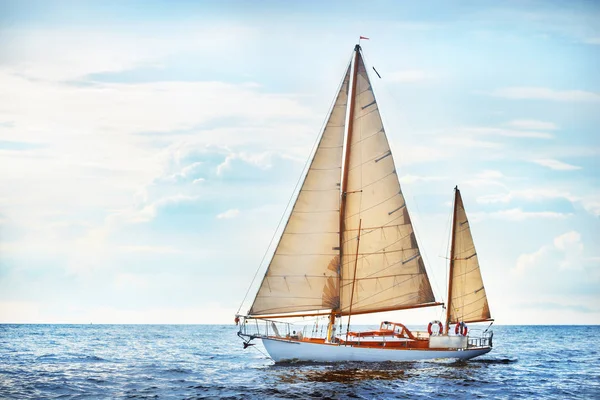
388,267
474,312
378,179
311,233
383,250
321,190
366,114
410,299
302,276
374,228
467,272
410,296
368,278
473,302
373,206
314,212
465,251
366,255
304,255
363,139
362,164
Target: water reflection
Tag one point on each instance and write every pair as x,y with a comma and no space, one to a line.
356,372
341,373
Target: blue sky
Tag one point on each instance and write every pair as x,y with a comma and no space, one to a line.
148,149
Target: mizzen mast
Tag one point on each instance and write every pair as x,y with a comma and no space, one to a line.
451,269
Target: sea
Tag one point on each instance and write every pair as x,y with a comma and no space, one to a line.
208,361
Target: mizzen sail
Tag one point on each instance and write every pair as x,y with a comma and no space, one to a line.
304,271
467,298
385,271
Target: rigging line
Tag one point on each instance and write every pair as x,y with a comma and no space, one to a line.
300,179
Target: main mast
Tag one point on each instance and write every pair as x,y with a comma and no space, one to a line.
451,268
344,183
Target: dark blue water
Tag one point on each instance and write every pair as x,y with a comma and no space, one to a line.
207,361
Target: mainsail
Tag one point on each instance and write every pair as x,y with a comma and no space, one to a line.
385,271
382,268
467,299
303,273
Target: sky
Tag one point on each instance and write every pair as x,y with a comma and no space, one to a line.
148,149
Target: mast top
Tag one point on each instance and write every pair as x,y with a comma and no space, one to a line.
357,47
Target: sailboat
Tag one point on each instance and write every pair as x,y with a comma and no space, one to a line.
349,248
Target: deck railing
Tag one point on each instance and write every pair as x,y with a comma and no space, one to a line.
481,340
259,328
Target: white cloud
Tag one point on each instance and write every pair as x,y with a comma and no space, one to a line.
129,281
507,132
150,249
408,179
566,251
66,54
533,124
186,171
146,212
467,142
261,160
490,174
528,261
592,40
516,214
21,312
487,178
541,93
533,194
39,312
570,244
556,165
101,145
409,75
415,154
592,204
229,214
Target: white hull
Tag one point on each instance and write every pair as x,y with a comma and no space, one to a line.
285,350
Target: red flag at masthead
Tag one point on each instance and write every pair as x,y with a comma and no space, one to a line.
363,38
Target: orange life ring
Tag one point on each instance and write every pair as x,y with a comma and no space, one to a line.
439,324
461,329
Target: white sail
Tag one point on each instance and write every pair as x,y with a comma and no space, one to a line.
468,302
388,268
303,273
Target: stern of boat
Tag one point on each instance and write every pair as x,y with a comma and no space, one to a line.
474,340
